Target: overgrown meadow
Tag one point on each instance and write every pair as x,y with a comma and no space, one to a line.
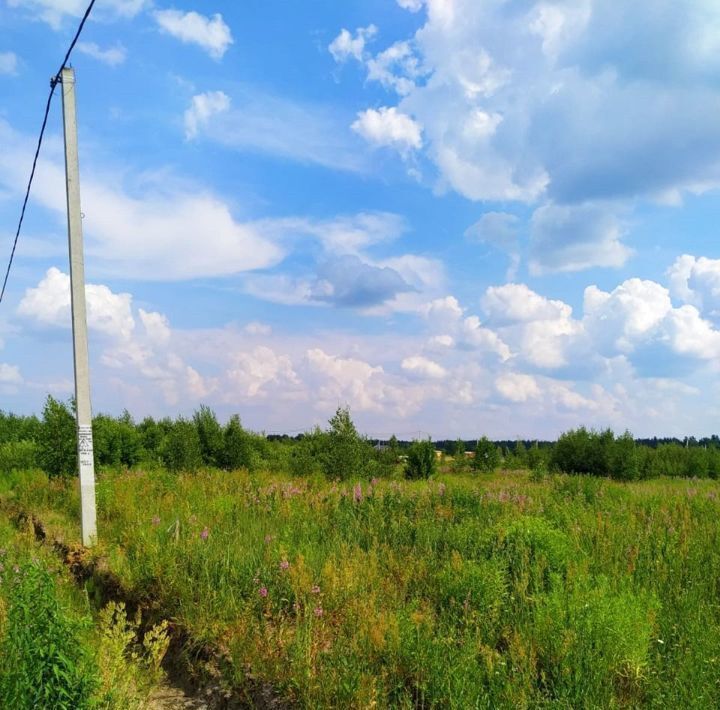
494,590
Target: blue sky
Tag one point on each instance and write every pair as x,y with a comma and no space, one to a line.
456,217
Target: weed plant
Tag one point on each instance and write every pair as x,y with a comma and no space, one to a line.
498,591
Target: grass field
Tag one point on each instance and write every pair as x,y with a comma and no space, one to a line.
465,591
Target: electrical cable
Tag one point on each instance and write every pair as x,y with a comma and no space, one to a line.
53,83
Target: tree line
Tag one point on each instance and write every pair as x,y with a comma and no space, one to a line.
337,452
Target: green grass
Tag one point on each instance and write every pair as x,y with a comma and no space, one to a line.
58,650
492,591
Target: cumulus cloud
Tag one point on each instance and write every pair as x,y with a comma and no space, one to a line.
696,281
252,372
389,127
638,317
49,304
423,367
513,303
348,281
112,56
8,63
516,387
347,45
573,238
202,108
209,33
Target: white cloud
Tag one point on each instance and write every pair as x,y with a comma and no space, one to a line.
49,304
10,374
696,281
202,108
53,12
163,230
209,33
305,132
251,372
573,238
412,5
517,303
346,45
157,327
638,315
8,63
258,329
423,367
389,127
396,68
113,56
517,388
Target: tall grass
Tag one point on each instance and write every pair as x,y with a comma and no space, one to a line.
488,591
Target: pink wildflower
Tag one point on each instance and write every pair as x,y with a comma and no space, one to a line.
319,611
375,481
284,565
155,520
441,489
357,493
263,592
315,589
269,539
205,534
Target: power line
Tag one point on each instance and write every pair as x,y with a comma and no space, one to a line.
53,83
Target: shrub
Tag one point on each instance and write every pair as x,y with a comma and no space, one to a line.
306,456
487,457
181,447
421,461
347,454
18,456
583,451
624,462
57,453
237,447
44,664
210,435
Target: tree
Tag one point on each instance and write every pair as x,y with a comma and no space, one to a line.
58,447
181,447
421,461
347,455
487,457
237,448
210,434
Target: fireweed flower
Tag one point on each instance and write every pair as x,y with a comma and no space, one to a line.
205,534
263,592
155,520
284,565
315,589
441,489
319,611
357,493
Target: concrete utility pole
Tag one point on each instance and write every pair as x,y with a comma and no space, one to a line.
86,464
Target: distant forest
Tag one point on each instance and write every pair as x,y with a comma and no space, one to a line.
338,451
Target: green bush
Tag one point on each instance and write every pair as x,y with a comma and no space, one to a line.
487,456
421,461
57,453
236,446
44,664
18,456
210,434
181,447
583,451
347,454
